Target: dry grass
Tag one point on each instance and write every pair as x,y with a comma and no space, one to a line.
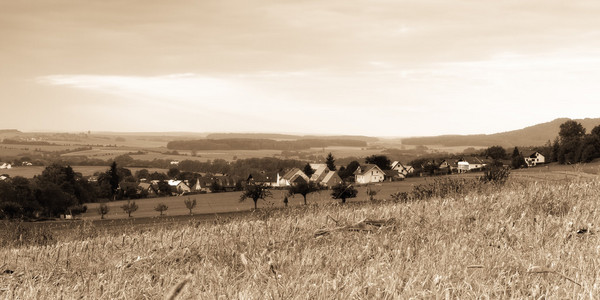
520,241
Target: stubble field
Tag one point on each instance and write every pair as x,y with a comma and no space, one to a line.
528,239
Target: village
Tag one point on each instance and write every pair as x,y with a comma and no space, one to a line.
322,176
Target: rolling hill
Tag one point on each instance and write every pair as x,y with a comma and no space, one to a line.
535,135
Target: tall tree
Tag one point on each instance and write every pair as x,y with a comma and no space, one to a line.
255,192
303,188
571,129
495,152
382,161
308,170
517,159
330,161
113,177
555,150
349,170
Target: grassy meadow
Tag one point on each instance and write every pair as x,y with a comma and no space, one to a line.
526,239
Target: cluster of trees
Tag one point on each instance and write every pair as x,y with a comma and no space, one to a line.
261,144
240,167
573,145
56,191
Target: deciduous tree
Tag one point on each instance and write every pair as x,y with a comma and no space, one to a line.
303,188
161,207
343,191
190,204
382,161
103,209
129,207
255,192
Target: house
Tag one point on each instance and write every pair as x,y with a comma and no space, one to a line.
293,176
3,177
197,187
535,158
393,175
227,183
146,188
320,171
368,173
262,177
5,166
178,187
402,169
470,164
330,179
447,167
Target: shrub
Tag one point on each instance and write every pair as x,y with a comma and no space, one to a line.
495,174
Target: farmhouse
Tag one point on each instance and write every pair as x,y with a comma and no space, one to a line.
293,176
402,169
368,173
146,188
320,171
5,166
331,179
178,187
393,175
269,179
534,158
470,164
197,187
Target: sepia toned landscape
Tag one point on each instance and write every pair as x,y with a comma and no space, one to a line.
332,149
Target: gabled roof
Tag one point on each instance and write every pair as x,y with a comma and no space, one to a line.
144,185
363,169
332,175
472,160
534,154
291,174
319,170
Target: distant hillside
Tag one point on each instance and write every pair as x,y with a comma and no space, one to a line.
276,136
536,135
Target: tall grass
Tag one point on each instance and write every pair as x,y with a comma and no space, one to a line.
478,243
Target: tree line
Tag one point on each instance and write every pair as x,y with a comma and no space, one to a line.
260,144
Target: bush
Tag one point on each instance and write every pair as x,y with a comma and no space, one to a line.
495,174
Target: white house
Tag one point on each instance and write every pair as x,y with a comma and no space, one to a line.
197,187
179,187
402,169
5,166
535,158
470,164
368,173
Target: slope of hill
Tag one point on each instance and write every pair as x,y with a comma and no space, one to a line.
535,135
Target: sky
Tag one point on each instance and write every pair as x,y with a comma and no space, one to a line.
377,68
